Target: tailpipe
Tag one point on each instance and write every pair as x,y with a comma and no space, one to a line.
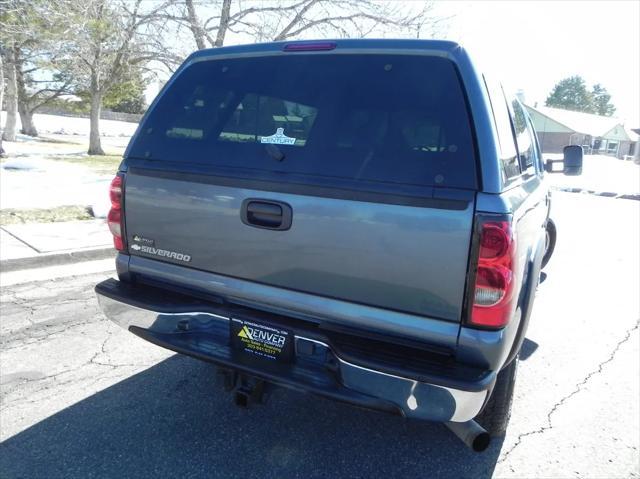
471,433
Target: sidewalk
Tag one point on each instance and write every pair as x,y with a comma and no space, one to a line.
25,246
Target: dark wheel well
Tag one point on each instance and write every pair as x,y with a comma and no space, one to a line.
526,299
551,234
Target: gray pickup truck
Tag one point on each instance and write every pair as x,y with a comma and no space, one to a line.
364,220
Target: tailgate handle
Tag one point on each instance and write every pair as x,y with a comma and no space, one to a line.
268,214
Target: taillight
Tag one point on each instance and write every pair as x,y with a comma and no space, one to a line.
115,218
494,279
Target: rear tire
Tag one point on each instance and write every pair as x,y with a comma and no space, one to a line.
550,242
495,416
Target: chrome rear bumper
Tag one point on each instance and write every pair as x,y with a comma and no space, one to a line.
207,337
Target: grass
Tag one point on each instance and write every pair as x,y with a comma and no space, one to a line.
51,215
102,164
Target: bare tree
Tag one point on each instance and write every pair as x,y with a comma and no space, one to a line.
26,114
7,13
39,79
110,40
34,93
28,32
210,22
1,99
199,33
11,100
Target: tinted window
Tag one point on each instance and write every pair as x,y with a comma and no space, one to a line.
536,144
524,137
369,118
509,155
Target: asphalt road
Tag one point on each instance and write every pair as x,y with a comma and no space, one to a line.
82,398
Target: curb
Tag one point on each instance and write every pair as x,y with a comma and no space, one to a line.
54,259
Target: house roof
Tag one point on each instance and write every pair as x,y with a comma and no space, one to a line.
632,133
587,123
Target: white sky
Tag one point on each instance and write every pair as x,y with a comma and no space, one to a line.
533,44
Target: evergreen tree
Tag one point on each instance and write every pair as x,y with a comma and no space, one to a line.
602,101
571,94
127,96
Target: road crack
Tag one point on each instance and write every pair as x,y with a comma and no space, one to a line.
579,387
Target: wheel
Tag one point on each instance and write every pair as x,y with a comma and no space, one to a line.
550,241
496,413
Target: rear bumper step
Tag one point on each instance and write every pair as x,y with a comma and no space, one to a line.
200,329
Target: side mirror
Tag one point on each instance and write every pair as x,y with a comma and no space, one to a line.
571,162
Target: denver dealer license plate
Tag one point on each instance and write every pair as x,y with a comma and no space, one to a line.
260,340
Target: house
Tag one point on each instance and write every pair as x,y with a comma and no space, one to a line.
598,135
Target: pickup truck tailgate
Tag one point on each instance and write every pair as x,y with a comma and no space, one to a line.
406,258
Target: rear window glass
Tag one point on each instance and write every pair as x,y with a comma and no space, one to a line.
395,119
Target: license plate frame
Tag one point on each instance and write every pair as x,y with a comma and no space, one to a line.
261,341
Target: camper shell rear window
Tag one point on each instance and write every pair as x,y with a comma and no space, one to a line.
364,118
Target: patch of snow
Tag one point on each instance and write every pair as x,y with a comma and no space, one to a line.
34,163
42,183
22,137
101,203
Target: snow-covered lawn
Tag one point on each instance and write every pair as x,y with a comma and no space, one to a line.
601,173
32,177
66,125
41,183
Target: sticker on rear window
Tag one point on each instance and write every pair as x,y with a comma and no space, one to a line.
278,138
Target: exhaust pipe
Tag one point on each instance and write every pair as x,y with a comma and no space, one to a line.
471,433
